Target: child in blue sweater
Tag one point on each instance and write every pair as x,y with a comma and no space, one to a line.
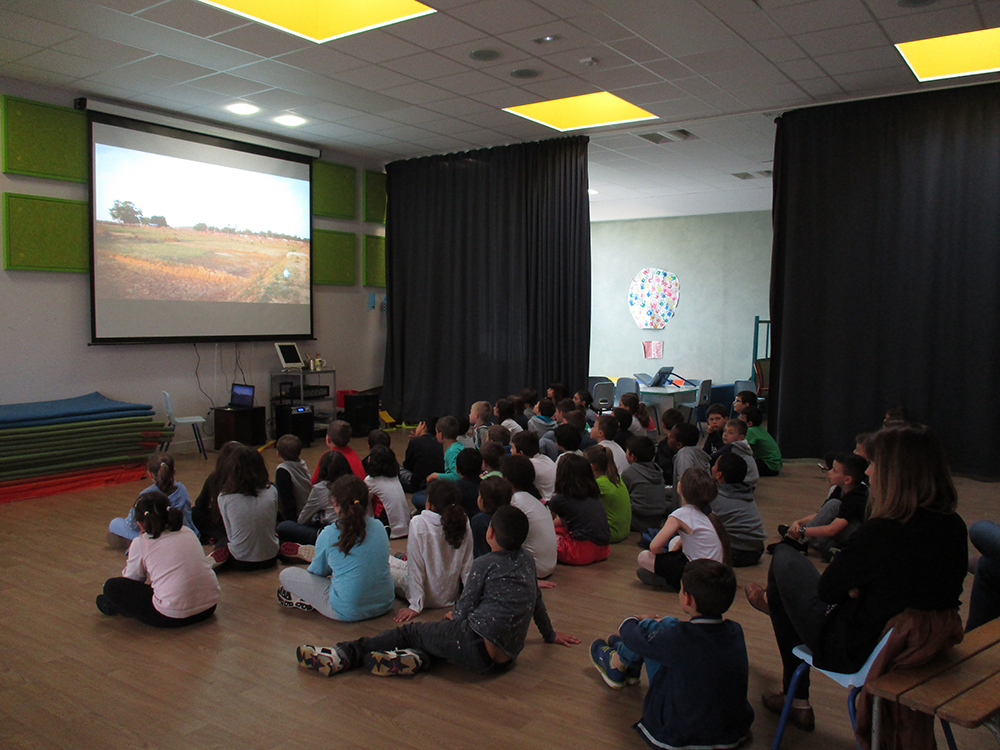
697,670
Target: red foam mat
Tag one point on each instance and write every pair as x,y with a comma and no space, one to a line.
24,489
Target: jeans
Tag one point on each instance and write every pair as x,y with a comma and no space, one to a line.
984,603
292,531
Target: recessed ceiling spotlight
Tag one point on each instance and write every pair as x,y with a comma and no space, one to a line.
243,108
484,55
291,121
524,73
546,39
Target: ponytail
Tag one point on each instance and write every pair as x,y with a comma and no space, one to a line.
443,499
161,466
727,549
154,512
350,495
603,461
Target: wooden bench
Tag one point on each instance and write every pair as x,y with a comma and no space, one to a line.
960,686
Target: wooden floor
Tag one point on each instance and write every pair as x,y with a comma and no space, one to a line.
71,677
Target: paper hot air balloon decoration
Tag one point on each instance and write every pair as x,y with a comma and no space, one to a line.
653,296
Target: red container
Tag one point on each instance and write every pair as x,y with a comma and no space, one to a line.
340,397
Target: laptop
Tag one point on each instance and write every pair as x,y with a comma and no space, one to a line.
661,377
241,396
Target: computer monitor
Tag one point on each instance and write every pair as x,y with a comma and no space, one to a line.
241,396
288,353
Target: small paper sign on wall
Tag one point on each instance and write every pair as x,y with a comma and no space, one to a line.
652,349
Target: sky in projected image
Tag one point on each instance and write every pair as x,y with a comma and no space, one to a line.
188,192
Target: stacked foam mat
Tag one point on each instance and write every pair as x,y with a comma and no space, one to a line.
48,447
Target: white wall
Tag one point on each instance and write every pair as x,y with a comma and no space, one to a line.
45,328
723,263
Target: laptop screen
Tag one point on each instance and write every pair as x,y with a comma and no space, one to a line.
242,395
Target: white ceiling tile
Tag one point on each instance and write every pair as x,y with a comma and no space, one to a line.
678,108
821,89
448,126
900,79
991,13
374,46
600,26
656,92
501,16
504,70
279,99
32,30
932,23
426,66
418,93
374,78
191,96
327,111
403,132
126,6
779,49
605,56
86,45
328,130
433,31
322,59
457,106
173,70
412,115
696,85
468,83
618,78
508,96
567,37
34,75
869,59
688,28
193,17
227,85
892,8
800,69
559,88
638,49
12,49
370,123
842,39
460,52
669,69
746,19
68,65
817,15
262,40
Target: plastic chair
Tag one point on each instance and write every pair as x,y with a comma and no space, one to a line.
854,682
193,421
623,386
701,398
604,395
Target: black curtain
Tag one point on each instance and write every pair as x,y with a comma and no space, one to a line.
886,270
487,276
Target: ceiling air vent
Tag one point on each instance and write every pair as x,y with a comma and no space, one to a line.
762,175
670,136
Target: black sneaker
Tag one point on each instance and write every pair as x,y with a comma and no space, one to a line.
783,529
106,606
651,579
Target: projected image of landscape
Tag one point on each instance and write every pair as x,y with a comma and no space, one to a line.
175,229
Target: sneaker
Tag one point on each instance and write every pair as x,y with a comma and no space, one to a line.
651,579
400,556
633,675
325,660
219,557
293,551
600,654
829,554
782,529
401,661
287,599
106,606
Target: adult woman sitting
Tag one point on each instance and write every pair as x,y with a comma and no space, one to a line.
911,553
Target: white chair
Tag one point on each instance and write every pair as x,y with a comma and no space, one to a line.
853,682
701,398
193,421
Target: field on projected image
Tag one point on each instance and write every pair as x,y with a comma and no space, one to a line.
141,262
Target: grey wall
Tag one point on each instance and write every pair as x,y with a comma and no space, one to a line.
45,328
723,263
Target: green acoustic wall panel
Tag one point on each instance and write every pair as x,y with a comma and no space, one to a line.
335,257
375,197
334,190
45,234
374,260
43,140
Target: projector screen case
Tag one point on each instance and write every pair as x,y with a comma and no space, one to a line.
195,237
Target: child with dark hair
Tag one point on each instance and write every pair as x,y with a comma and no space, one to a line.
765,450
291,478
585,403
182,588
625,419
578,421
641,423
519,411
692,532
448,430
469,465
735,507
698,670
734,439
504,411
205,512
529,396
493,492
717,416
349,578
383,483
248,503
557,390
526,444
318,512
492,454
687,455
568,440
376,437
159,470
486,629
543,420
338,435
582,532
644,481
614,494
497,433
603,432
438,554
424,455
664,453
743,400
541,542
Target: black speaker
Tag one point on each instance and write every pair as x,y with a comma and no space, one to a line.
295,420
361,412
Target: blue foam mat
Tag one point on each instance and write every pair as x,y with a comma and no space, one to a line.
87,408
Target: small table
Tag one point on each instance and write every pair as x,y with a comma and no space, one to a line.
662,397
249,426
960,686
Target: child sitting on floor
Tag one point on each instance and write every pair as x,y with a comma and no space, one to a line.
469,464
717,416
160,470
644,480
493,492
492,454
291,478
504,411
735,507
664,453
383,483
376,437
319,511
692,532
614,493
248,503
526,444
543,420
582,531
480,421
447,431
698,670
541,543
438,554
338,435
484,632
765,451
603,432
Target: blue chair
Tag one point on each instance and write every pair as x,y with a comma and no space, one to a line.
701,398
854,682
623,386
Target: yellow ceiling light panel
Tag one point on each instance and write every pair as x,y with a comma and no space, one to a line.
323,20
586,111
968,54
